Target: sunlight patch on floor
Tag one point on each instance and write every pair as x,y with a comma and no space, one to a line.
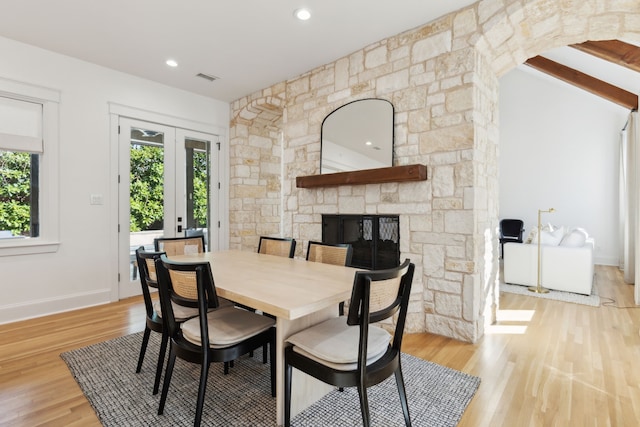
506,330
505,320
515,315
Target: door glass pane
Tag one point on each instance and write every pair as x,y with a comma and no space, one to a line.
198,171
146,189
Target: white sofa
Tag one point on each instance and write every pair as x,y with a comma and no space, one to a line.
564,268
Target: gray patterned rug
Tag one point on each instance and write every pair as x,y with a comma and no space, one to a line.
592,300
437,395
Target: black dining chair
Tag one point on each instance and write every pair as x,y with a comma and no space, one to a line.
180,245
280,246
330,253
153,321
511,230
193,243
221,335
349,351
148,279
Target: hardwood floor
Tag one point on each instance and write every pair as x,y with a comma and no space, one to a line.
545,363
549,363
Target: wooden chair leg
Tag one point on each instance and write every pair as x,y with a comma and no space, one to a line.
204,373
403,396
167,380
161,355
364,405
143,348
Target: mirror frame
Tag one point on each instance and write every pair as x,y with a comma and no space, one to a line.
351,103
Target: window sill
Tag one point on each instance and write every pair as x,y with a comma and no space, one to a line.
12,247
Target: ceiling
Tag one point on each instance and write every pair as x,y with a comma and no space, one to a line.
248,45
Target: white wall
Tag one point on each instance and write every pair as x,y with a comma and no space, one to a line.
80,273
559,148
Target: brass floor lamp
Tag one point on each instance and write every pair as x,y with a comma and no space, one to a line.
539,289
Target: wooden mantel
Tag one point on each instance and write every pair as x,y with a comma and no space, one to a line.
368,176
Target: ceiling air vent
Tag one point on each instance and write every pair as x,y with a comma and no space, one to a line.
207,76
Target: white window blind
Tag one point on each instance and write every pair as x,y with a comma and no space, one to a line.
20,125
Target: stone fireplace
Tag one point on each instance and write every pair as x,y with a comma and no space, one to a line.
375,239
442,79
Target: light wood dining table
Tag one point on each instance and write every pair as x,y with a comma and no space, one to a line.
297,292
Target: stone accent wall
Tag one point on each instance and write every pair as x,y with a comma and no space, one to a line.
442,79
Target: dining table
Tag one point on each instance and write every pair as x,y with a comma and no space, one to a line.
297,292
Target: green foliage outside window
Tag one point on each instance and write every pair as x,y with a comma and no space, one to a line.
15,192
147,188
200,189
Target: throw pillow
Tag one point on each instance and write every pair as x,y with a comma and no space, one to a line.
550,238
532,235
576,238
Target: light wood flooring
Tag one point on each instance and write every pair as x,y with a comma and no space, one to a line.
546,363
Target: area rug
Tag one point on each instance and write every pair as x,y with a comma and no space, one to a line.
437,395
592,300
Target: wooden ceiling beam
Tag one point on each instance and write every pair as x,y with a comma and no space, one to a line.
585,82
616,51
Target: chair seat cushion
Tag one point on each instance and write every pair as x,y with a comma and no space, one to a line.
182,313
338,366
227,326
333,342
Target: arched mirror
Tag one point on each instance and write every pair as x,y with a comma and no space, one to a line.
356,136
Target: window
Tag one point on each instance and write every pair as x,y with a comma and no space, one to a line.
28,160
198,155
19,189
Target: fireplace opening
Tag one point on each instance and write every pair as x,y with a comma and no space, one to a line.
375,238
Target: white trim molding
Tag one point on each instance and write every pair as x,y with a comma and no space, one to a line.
43,307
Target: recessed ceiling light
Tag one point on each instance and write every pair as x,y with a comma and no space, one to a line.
171,63
368,143
302,14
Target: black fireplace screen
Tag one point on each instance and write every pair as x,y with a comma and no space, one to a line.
375,238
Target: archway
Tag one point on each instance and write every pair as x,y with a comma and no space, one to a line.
516,31
255,172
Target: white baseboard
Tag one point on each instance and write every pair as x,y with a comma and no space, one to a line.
606,261
43,307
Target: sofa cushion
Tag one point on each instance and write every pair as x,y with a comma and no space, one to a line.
575,238
532,236
550,238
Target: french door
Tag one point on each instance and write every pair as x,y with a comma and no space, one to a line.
168,180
